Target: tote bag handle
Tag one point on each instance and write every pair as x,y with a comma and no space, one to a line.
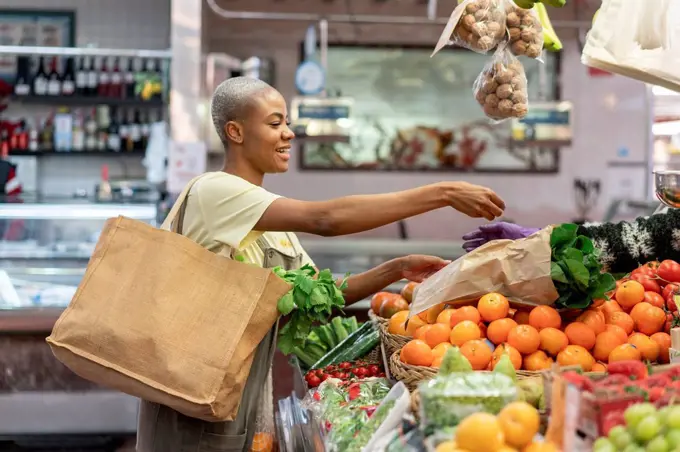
177,210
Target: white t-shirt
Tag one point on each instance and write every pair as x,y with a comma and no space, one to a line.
222,210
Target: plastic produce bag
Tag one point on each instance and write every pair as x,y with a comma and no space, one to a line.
447,400
639,39
478,25
525,31
501,87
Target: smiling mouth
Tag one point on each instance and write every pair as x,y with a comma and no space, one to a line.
283,150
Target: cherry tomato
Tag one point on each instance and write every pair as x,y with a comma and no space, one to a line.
669,270
360,372
373,370
345,365
648,282
343,375
314,381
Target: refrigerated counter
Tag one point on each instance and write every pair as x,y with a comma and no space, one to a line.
44,248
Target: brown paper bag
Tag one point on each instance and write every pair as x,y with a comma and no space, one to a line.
518,269
159,317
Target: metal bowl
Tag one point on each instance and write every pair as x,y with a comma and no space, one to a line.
667,187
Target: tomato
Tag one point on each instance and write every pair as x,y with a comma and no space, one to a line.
342,375
360,372
336,374
648,282
345,365
669,270
669,289
672,302
644,270
373,370
655,299
314,381
324,377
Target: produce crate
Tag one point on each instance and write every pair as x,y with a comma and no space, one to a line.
595,416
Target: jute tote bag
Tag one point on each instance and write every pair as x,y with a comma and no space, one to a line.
161,318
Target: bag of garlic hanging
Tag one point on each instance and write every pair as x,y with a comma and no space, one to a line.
478,25
501,87
524,30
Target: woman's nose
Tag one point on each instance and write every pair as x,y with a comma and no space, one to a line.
288,134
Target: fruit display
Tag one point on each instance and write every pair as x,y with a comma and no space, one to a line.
324,338
515,427
645,428
501,87
525,30
481,26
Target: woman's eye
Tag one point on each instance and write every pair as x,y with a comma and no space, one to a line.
275,124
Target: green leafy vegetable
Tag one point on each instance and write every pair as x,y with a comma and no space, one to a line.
310,301
576,269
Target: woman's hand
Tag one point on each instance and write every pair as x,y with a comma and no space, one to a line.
418,267
473,200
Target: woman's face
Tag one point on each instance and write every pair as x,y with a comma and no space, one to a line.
266,135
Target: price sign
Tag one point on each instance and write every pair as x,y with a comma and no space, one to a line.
186,161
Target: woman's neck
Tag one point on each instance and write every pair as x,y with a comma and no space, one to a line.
244,171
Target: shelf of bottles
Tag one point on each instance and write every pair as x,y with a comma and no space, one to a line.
92,101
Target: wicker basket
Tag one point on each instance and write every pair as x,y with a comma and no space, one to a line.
377,320
410,375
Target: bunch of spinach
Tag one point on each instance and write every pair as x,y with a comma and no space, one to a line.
575,268
310,301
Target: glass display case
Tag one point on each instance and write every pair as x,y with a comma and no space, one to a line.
45,245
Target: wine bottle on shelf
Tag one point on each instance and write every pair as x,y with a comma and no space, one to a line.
33,138
92,77
81,78
136,132
78,132
91,131
4,144
158,70
124,131
104,192
146,130
47,134
22,85
104,79
116,80
114,133
128,90
68,82
40,79
54,79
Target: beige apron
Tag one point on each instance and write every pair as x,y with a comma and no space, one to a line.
161,429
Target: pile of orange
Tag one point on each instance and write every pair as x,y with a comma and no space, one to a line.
623,328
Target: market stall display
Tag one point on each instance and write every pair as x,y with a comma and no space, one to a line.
503,358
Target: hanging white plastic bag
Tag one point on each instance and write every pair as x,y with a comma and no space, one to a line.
478,25
639,39
501,87
525,31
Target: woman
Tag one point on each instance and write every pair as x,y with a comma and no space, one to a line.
623,246
230,210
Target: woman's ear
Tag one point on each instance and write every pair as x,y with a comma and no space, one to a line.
234,131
